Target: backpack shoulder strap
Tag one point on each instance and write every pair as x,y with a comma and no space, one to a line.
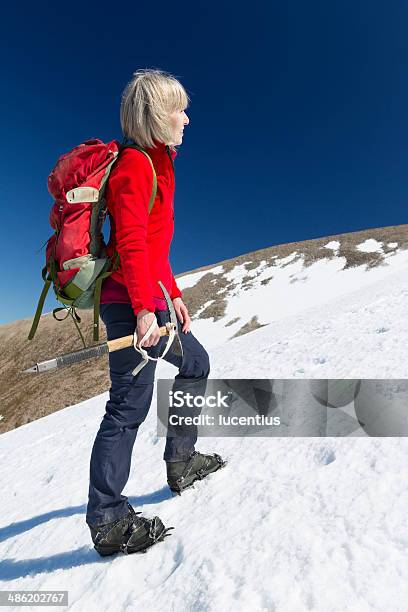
154,190
115,262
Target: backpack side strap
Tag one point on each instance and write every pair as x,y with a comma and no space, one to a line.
40,305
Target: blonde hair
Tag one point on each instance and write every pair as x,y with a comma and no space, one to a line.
147,101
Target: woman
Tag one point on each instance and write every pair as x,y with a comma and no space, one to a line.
153,117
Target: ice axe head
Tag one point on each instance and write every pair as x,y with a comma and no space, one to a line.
172,329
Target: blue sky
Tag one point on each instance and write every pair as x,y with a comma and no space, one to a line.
298,119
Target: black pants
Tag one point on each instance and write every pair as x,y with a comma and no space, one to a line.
128,405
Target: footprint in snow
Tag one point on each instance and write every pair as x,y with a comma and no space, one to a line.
382,330
319,360
325,456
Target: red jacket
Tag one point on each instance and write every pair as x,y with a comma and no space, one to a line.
142,240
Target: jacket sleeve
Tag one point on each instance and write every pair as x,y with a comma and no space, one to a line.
131,184
175,291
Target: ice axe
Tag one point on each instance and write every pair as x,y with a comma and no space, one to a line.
173,332
169,329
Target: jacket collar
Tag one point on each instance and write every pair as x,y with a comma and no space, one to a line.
160,149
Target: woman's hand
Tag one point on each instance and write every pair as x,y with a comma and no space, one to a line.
182,314
144,320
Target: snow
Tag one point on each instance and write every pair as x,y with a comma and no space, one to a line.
293,289
290,524
370,246
361,333
334,245
204,306
189,280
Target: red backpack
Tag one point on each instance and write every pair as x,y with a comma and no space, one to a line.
76,261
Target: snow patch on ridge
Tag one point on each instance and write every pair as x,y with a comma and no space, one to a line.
370,245
189,280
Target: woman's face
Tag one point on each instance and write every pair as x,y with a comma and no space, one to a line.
178,119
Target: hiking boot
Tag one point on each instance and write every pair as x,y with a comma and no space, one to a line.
182,474
129,534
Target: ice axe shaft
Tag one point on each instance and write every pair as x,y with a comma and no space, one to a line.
91,352
126,341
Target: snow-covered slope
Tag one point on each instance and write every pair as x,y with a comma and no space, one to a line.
289,525
273,293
